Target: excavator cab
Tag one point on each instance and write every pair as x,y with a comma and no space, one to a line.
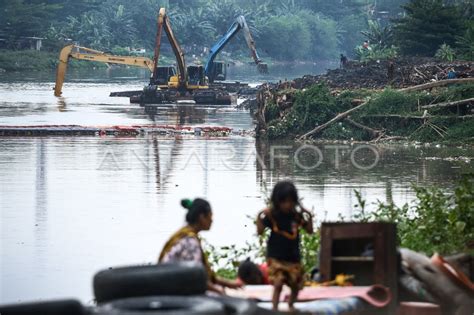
262,68
196,77
219,71
163,76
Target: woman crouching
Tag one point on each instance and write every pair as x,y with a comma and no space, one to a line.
185,244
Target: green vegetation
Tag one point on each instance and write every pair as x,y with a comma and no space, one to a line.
283,29
445,53
393,112
379,35
438,220
309,30
28,60
311,108
376,52
301,116
429,24
382,46
31,60
466,42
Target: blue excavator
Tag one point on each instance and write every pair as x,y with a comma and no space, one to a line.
216,70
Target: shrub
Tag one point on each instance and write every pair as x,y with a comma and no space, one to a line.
310,108
376,52
391,102
30,60
438,221
445,53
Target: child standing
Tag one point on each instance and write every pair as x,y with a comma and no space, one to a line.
283,247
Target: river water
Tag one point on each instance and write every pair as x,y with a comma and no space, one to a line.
70,206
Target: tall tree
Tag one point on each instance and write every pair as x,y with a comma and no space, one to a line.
427,25
25,18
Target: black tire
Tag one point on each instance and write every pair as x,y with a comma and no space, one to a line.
163,305
162,279
237,306
60,307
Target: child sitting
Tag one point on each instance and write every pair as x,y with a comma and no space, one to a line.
283,248
252,274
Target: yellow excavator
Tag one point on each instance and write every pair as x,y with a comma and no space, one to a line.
163,73
166,84
83,53
181,79
189,82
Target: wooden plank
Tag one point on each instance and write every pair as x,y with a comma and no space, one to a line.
325,264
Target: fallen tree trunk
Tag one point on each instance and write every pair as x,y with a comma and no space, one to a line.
389,138
332,121
436,84
449,104
398,116
420,117
373,132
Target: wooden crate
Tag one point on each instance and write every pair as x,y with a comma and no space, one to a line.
342,251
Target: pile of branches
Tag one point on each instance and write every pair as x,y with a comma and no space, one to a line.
277,101
375,74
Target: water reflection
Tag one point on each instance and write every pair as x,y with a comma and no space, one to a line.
41,185
179,115
62,104
114,201
72,205
330,173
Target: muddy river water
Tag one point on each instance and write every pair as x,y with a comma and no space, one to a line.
70,206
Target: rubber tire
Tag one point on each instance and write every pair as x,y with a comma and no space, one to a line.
60,307
163,305
162,279
237,306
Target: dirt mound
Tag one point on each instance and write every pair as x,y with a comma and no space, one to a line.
375,74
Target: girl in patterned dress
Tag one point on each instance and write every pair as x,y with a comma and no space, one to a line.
283,246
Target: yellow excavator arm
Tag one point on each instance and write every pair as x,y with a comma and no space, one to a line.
83,53
189,77
164,22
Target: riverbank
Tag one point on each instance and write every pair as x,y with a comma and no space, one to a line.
364,103
32,60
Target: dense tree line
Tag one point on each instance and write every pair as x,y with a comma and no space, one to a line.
284,29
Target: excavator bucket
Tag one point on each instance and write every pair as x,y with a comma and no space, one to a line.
262,68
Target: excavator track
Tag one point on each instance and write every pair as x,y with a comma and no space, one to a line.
153,95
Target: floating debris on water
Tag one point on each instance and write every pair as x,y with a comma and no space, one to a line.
120,131
466,159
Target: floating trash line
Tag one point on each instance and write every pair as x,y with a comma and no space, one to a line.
117,131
